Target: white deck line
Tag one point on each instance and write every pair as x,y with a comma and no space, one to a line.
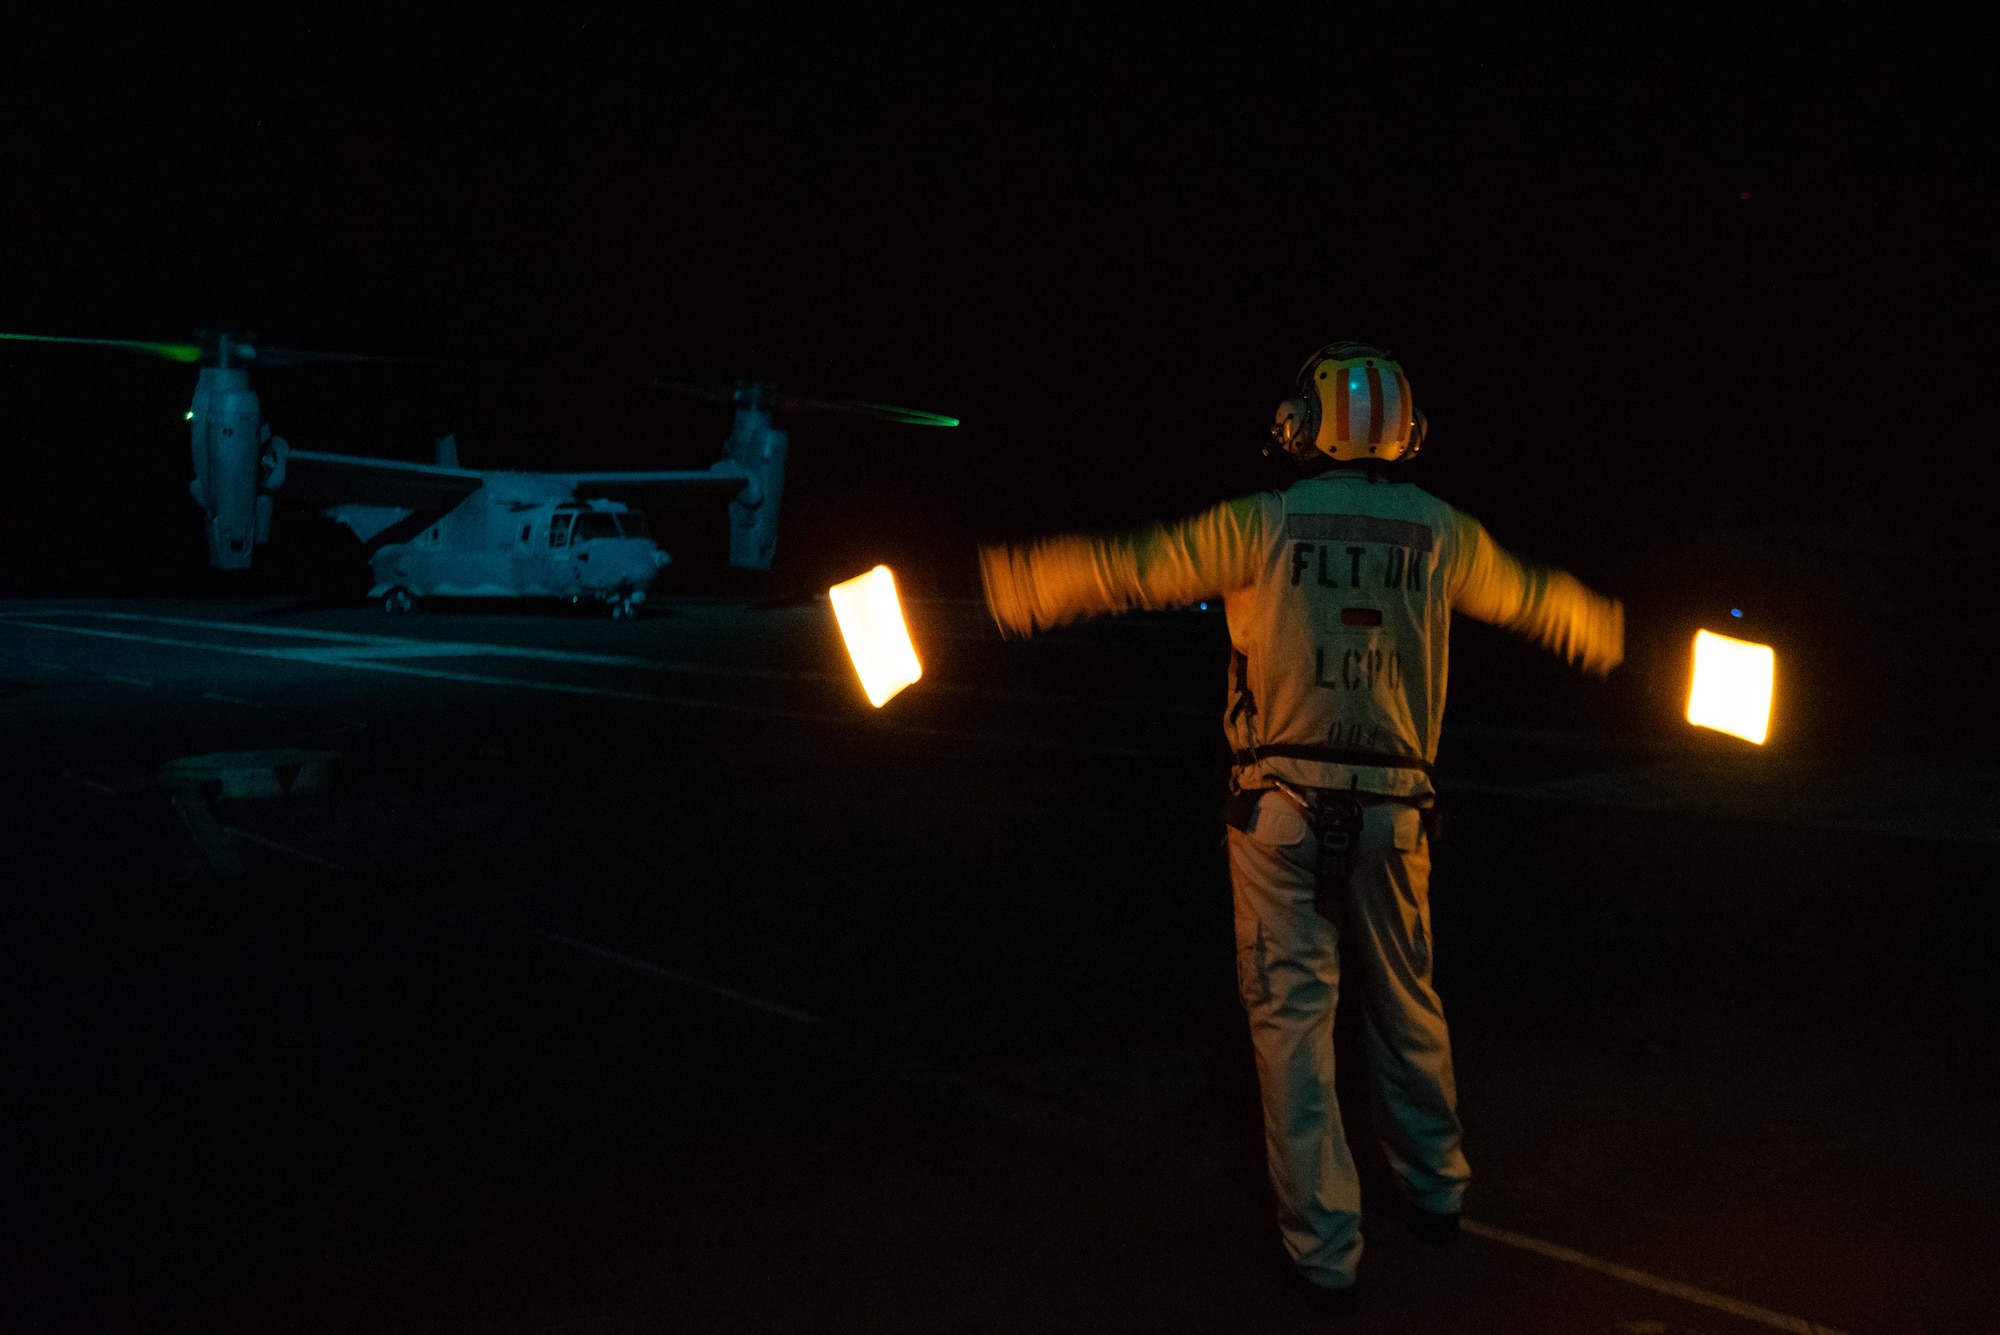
277,847
570,942
409,646
856,720
684,979
1568,792
1671,1287
348,645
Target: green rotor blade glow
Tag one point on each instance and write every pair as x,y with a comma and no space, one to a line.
173,352
887,411
913,416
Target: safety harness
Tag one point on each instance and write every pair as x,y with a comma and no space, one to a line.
1334,814
1331,755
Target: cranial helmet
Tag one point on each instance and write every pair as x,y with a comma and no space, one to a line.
1352,402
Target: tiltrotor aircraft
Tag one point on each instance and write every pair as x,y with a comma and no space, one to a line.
439,529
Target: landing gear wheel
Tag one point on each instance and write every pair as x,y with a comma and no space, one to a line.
623,608
398,601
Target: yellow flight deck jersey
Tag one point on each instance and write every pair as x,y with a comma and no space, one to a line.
1339,594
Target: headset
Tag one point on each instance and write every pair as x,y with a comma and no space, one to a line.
1297,428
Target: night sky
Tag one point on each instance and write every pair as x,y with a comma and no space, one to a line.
1707,293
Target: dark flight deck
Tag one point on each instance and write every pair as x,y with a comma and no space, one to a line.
640,977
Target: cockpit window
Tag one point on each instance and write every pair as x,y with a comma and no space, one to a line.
559,528
596,524
633,524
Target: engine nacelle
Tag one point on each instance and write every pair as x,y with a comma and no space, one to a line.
227,433
759,449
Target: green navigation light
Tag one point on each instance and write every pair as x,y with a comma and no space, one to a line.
189,417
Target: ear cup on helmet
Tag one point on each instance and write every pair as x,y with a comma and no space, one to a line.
1297,426
1419,424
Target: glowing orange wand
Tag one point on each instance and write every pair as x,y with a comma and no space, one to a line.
1731,691
878,639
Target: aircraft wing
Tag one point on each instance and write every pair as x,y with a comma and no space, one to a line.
721,483
353,479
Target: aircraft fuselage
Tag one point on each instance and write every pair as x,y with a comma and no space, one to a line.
519,535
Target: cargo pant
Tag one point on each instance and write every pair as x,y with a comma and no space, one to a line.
1288,970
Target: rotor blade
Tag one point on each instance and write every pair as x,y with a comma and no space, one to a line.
715,393
886,411
173,352
265,354
697,389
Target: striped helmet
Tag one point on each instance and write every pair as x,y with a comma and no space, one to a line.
1352,402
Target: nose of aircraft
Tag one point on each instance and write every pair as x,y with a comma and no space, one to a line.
623,563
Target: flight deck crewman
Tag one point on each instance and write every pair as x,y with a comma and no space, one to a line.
1339,593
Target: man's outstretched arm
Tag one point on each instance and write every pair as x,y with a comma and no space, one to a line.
1054,581
1549,606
